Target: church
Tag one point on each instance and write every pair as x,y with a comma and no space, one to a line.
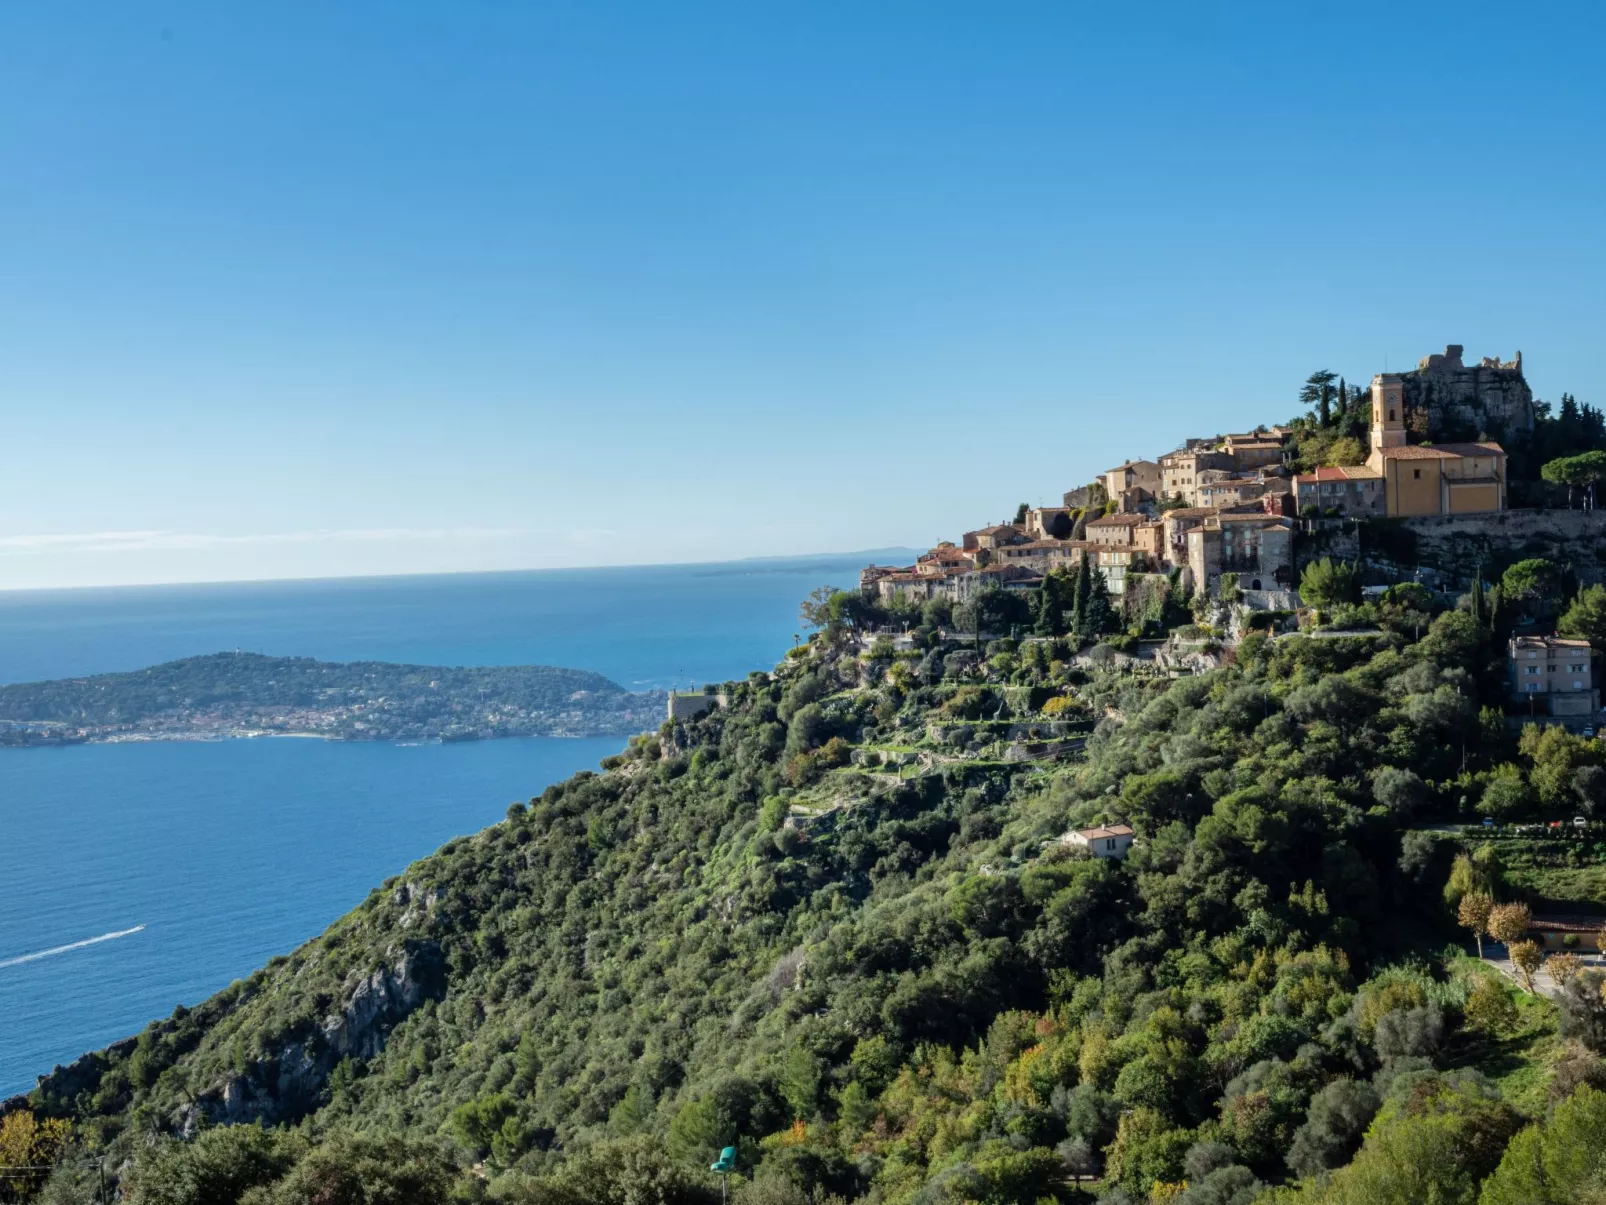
1424,479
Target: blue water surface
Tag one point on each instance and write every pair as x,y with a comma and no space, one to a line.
230,852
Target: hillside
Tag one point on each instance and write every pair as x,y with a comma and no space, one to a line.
834,922
232,694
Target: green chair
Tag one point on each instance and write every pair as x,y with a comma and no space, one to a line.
723,1167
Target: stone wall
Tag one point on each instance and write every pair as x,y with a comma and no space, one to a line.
1448,549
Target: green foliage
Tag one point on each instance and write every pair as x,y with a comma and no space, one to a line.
1560,1161
1329,583
1585,469
913,991
254,1167
1585,616
1435,1141
1530,581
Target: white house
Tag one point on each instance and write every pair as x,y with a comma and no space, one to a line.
1105,841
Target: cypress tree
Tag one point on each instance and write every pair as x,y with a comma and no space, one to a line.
1080,597
1099,616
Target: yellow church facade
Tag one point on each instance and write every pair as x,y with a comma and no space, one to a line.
1423,479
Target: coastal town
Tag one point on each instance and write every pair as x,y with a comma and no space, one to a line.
1230,521
1232,503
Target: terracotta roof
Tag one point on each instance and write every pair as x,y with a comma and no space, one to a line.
996,527
1038,545
1190,512
1543,642
1117,521
1441,451
1574,923
1256,517
1105,830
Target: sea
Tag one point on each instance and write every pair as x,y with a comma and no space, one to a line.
140,876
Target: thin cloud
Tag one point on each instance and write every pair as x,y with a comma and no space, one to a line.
179,541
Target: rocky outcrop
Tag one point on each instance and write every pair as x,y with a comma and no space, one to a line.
64,1083
291,1081
1491,398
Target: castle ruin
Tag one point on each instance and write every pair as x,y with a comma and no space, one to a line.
1490,400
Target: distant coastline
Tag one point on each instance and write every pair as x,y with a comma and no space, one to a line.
240,696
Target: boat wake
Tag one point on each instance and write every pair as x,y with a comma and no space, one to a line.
69,947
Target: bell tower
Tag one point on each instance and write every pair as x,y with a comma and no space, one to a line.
1388,411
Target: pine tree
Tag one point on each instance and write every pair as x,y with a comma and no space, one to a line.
1318,389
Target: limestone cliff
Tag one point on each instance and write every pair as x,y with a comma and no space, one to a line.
291,1080
1490,398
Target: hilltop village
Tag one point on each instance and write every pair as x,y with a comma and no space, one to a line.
1232,504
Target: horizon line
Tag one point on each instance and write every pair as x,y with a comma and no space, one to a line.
355,577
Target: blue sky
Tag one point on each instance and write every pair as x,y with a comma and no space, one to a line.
317,288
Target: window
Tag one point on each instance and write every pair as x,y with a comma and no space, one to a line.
1110,843
1391,414
1416,473
1575,669
1532,669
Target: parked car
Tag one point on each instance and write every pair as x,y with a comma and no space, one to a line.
1579,822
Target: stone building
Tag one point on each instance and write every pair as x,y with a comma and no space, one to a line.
1253,451
1114,529
1182,472
1042,520
1116,562
1149,539
1041,556
1102,841
1134,474
1553,675
943,557
1422,479
1349,491
1174,528
986,539
1259,548
1229,491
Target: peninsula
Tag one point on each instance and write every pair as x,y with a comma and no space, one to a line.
247,694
